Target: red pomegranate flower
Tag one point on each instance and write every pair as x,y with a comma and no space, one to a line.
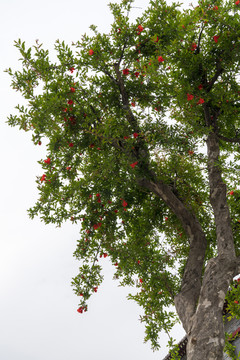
47,161
124,203
134,164
194,46
200,101
125,71
43,178
190,97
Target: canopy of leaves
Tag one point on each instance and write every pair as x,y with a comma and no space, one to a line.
119,107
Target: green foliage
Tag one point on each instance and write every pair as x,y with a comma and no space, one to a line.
233,301
173,350
233,311
116,108
229,348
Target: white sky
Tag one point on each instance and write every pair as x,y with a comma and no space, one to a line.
38,317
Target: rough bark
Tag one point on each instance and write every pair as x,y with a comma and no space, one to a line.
206,332
206,336
186,300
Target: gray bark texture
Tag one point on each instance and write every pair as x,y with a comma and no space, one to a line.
204,323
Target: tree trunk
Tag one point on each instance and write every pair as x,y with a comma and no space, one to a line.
205,331
206,336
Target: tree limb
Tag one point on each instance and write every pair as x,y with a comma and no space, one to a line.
187,298
231,140
218,200
130,117
215,77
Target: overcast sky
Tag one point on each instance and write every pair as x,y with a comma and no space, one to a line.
38,317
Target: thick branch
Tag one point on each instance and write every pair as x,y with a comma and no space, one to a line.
187,299
218,199
231,140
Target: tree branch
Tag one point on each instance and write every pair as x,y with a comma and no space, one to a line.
218,199
109,75
130,117
231,140
188,296
215,77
